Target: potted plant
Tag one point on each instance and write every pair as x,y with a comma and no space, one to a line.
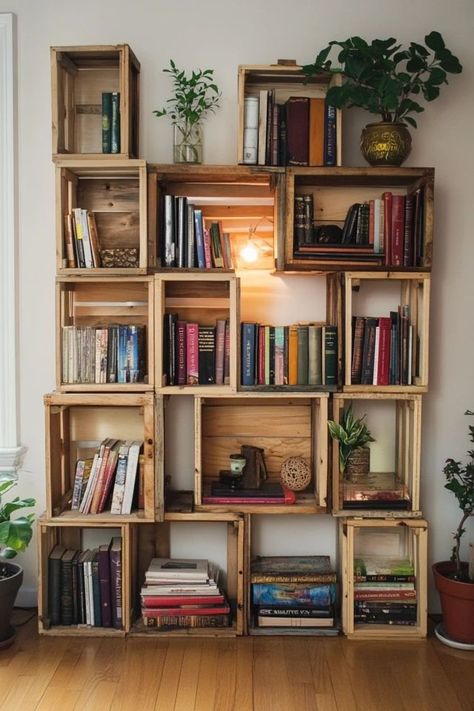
195,95
454,583
387,80
15,535
353,436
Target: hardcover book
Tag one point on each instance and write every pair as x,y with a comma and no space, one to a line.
297,126
294,594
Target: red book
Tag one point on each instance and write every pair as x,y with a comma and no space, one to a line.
387,226
207,249
398,230
297,130
109,475
383,367
227,354
158,601
192,353
100,482
408,243
289,497
261,355
181,352
191,610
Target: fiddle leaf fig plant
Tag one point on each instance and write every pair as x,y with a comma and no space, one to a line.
351,432
15,533
460,480
386,78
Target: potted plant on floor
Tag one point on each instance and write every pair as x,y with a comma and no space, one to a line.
195,96
353,436
454,583
387,80
15,535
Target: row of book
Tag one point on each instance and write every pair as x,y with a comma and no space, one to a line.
110,122
85,587
194,354
107,354
300,354
181,593
81,239
384,591
385,231
300,131
190,241
384,349
294,591
108,480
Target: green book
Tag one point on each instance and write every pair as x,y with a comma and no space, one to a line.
106,122
115,123
329,361
302,355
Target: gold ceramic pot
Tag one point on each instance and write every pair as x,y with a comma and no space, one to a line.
385,143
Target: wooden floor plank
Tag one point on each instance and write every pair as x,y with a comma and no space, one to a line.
225,696
169,683
188,680
207,681
140,680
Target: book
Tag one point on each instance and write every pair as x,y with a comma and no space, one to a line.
192,621
168,227
294,594
180,348
166,601
302,357
131,475
71,258
66,594
329,355
185,610
106,122
199,238
178,569
256,496
54,584
297,125
207,355
251,114
109,475
248,353
103,557
317,114
95,579
315,371
262,127
83,469
292,569
119,485
397,230
115,123
109,445
192,353
285,621
330,135
116,581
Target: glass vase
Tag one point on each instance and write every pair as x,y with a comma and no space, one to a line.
187,142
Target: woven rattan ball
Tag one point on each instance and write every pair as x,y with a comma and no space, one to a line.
295,473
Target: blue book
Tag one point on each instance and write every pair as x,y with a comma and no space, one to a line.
123,369
199,238
248,353
330,139
294,594
133,353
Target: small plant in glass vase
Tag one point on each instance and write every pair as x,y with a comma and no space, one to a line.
195,96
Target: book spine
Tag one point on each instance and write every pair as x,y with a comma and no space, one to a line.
191,621
104,584
297,121
261,355
188,610
248,353
302,355
279,355
387,226
54,590
398,230
169,242
96,592
275,141
317,113
181,352
293,578
408,239
330,136
262,126
368,351
330,355
199,237
115,123
190,230
106,122
207,354
357,345
208,261
227,353
299,232
314,355
181,231
192,353
66,593
384,594
293,356
220,348
116,586
250,137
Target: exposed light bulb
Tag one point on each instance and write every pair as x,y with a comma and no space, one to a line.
249,253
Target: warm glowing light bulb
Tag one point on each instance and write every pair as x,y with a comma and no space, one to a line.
249,253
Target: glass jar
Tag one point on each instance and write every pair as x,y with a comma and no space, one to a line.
187,142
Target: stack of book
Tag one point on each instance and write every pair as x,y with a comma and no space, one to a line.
183,593
85,587
190,241
194,354
270,492
300,131
103,354
293,591
108,480
384,591
385,231
384,349
300,354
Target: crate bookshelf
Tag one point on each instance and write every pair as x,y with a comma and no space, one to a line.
76,423
334,190
240,198
397,288
286,80
201,298
79,76
153,540
395,538
116,193
400,414
79,537
284,426
98,303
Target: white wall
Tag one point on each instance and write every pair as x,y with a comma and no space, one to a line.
223,35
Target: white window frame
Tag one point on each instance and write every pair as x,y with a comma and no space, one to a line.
10,450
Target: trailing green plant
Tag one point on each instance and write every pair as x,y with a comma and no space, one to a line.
351,432
384,78
460,480
15,534
193,97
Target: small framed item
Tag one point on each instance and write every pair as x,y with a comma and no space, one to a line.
119,257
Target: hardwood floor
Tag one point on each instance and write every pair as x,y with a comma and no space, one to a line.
253,673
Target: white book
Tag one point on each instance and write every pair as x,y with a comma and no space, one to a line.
378,227
120,476
250,143
376,356
87,603
262,127
186,569
131,476
90,588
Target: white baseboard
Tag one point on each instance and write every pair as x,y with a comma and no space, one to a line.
27,597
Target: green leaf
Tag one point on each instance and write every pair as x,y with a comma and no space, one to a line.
8,553
16,534
437,76
434,41
415,64
419,49
16,504
430,92
451,64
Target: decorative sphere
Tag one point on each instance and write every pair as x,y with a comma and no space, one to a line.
295,473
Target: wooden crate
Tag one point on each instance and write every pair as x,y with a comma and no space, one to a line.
284,426
403,440
285,80
411,537
116,193
197,298
76,423
97,303
334,190
240,198
71,535
79,75
151,541
414,292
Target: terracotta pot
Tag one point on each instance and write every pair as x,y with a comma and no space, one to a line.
8,591
385,143
457,603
